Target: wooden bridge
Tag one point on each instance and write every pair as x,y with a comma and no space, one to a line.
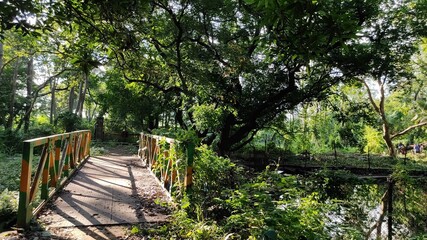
118,188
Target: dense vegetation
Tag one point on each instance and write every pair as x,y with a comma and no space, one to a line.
314,83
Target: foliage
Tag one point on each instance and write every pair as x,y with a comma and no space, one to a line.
227,73
136,108
409,205
222,203
10,142
381,62
275,207
373,140
336,184
8,206
236,72
207,117
68,121
97,151
212,175
10,171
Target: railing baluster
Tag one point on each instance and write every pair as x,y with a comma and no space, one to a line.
73,161
36,180
68,158
58,153
77,149
63,156
55,164
169,173
45,177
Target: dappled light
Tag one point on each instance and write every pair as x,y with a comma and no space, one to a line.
204,119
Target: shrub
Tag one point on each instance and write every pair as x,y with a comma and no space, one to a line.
68,121
8,207
212,176
223,203
10,142
272,206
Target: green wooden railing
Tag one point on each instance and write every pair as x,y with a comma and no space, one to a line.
169,160
59,157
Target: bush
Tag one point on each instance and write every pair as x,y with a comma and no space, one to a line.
8,203
68,121
212,176
97,151
10,142
8,207
224,204
40,130
272,206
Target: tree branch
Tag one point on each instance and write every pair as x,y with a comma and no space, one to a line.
408,129
242,144
154,85
371,98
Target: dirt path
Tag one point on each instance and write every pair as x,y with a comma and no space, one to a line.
105,198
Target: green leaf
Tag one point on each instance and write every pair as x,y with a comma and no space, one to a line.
135,230
270,234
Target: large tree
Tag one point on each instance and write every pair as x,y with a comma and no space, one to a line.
381,60
243,62
234,64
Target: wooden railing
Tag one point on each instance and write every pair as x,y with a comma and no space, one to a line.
169,160
60,155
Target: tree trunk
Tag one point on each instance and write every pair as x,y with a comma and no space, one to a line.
1,59
386,124
2,88
52,115
388,140
224,144
30,80
380,110
11,110
78,97
82,95
153,122
71,100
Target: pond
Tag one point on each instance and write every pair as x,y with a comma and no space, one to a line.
371,208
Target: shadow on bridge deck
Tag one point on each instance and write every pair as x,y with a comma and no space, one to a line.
113,189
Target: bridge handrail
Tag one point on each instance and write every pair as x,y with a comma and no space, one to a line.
60,156
171,170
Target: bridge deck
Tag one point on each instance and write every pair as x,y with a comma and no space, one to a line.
108,190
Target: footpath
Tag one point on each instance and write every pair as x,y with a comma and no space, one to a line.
104,199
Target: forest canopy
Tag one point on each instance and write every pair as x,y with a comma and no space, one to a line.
225,69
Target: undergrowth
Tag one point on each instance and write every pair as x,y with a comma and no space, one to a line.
10,171
226,202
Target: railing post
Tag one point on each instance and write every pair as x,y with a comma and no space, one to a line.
46,168
25,209
188,182
68,156
88,142
152,153
56,176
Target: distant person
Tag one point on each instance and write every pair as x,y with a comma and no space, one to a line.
401,148
417,148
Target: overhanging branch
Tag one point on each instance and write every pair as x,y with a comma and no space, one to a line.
408,129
